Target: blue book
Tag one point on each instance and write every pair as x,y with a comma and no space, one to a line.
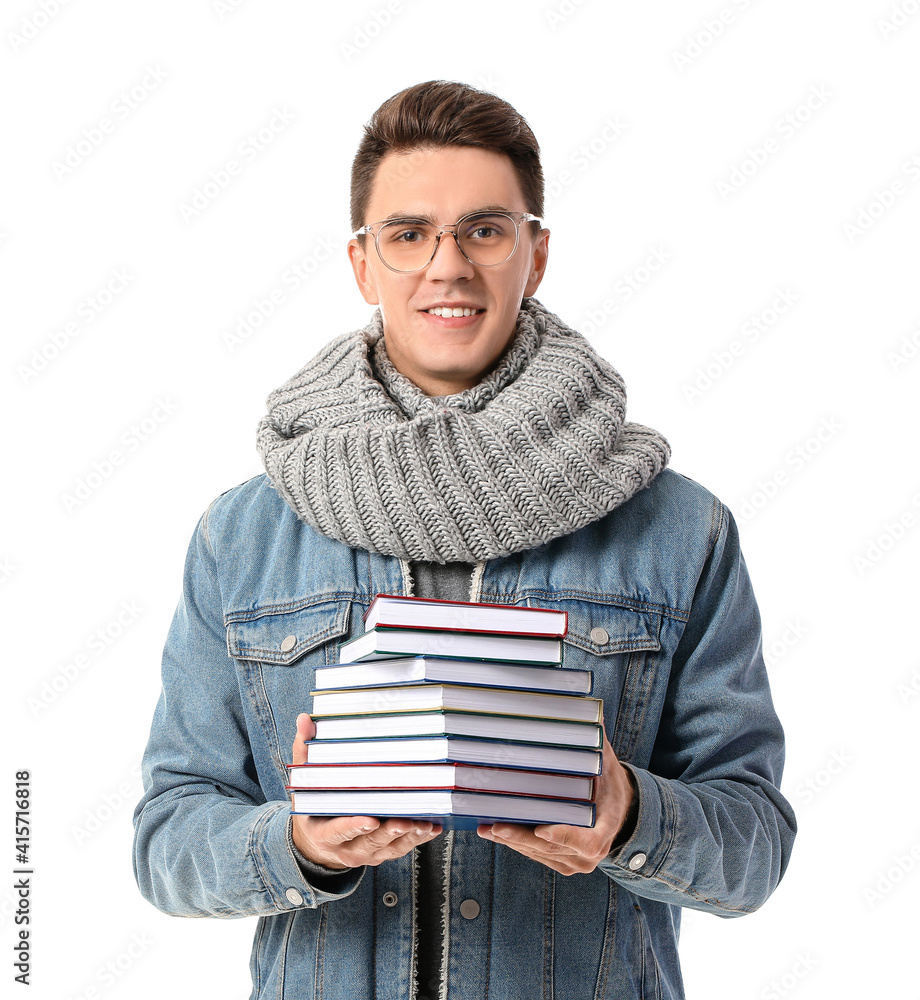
456,750
453,808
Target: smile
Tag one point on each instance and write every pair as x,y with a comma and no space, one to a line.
447,311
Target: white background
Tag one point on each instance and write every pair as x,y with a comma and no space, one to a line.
808,432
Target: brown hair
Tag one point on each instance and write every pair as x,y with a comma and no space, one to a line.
441,113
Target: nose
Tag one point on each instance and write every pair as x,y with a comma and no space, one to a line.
448,263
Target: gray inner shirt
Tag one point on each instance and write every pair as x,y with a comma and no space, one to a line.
445,582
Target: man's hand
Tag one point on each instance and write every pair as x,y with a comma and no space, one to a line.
351,841
571,849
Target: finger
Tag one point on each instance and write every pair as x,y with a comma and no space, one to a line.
534,851
305,731
401,844
511,834
566,863
560,837
414,831
539,842
338,830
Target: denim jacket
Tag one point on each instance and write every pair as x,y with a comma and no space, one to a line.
659,606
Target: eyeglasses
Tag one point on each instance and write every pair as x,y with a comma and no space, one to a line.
486,239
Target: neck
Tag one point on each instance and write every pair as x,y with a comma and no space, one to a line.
438,386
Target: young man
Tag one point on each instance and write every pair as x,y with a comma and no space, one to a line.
466,445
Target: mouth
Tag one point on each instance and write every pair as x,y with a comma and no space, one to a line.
452,311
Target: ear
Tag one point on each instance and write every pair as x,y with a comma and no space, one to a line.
539,256
364,275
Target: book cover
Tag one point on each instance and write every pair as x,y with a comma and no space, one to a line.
389,642
395,611
515,781
419,697
432,669
520,729
456,750
437,805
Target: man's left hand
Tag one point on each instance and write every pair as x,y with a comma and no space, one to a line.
571,849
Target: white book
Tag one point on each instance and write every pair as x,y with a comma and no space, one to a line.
515,781
457,809
473,724
455,749
457,697
381,643
408,670
393,611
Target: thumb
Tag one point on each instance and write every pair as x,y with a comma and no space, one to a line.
305,731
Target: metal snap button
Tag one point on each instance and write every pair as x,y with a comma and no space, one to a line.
637,861
469,908
390,899
288,643
294,897
600,636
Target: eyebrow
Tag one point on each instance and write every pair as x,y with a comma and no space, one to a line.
425,217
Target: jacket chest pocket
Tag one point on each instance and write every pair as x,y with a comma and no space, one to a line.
278,652
620,646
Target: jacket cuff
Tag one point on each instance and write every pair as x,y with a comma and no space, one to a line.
272,849
319,876
643,852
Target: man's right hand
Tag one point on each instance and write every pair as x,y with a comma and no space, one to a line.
352,841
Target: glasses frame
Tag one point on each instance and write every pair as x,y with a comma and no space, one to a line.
517,218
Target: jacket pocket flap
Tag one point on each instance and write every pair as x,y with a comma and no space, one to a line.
601,628
282,637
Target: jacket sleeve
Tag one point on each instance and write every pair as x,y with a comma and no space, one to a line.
713,831
206,841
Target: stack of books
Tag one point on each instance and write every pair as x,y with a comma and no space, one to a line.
453,712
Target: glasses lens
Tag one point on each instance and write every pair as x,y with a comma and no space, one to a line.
406,244
486,238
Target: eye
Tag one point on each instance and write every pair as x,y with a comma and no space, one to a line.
485,228
406,232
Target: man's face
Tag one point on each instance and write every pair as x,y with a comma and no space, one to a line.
440,354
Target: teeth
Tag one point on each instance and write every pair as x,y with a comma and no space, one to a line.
447,311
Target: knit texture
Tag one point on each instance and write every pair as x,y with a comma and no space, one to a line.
536,450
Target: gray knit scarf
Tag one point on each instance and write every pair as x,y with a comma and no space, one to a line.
536,450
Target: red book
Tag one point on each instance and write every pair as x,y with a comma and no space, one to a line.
392,611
